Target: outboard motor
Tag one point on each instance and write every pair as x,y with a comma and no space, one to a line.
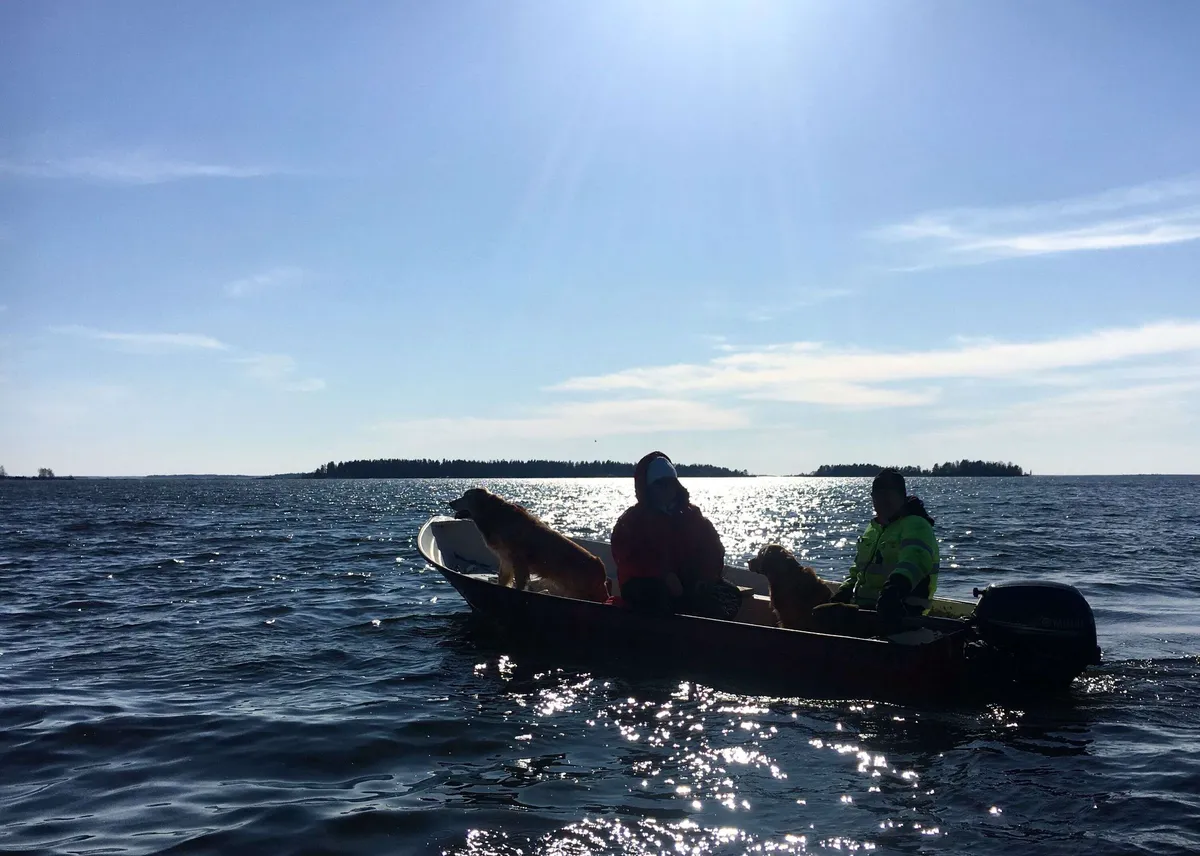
1035,634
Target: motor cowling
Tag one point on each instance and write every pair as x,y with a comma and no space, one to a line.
1044,631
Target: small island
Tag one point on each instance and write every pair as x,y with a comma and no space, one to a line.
950,469
43,474
426,468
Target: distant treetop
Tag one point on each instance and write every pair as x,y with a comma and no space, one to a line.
948,469
427,468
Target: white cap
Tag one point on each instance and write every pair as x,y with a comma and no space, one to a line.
660,468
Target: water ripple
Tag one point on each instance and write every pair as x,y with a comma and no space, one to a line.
246,665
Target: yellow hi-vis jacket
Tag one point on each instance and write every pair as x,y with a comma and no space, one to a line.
905,546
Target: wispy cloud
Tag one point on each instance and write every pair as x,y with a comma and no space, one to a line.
578,420
1154,214
146,342
274,370
801,300
1143,427
812,373
277,370
788,304
132,167
279,277
73,403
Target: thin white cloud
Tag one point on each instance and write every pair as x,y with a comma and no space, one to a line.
76,402
309,384
133,167
802,300
146,342
786,305
578,420
1146,427
277,370
813,373
268,280
1100,405
1147,215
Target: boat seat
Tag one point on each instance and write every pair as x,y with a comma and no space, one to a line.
920,636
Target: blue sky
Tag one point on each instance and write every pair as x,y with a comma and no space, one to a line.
256,237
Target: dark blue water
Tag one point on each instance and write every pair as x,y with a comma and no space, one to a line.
239,666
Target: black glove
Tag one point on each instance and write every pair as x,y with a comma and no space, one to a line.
845,594
890,606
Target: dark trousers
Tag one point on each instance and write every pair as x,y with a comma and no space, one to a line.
711,600
845,619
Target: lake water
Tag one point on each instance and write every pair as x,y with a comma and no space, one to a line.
257,666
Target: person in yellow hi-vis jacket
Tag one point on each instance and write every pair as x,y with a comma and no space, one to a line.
896,564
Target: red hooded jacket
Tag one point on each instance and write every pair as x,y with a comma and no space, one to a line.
650,542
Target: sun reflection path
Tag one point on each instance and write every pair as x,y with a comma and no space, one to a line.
816,518
705,772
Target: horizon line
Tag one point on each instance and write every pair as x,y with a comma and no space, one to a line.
305,473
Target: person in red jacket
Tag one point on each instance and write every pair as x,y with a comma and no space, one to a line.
669,557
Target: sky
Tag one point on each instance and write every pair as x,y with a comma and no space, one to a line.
765,234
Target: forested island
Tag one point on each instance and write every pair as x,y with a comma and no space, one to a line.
43,474
962,468
426,468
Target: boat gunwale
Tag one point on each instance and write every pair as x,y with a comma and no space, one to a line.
487,579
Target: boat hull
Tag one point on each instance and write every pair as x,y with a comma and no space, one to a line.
757,656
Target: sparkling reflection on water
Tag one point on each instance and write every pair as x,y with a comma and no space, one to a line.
690,769
248,666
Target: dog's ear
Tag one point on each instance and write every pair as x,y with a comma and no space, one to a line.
776,553
762,557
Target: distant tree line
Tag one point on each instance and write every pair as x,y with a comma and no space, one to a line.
963,468
428,468
42,473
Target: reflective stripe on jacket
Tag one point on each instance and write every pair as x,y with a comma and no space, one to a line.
906,546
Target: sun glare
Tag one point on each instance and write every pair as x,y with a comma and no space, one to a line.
685,27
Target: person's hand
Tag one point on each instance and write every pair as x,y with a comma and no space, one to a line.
845,594
891,612
890,605
674,586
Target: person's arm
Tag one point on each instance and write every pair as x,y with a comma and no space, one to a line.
710,552
917,549
845,592
914,563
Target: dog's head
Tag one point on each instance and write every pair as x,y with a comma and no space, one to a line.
774,561
779,566
467,506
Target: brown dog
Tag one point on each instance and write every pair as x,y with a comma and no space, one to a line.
795,589
528,547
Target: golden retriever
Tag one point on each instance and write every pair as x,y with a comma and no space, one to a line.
795,589
528,547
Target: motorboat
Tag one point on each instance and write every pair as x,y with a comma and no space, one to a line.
1028,635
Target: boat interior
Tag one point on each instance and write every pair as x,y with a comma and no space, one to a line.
458,546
